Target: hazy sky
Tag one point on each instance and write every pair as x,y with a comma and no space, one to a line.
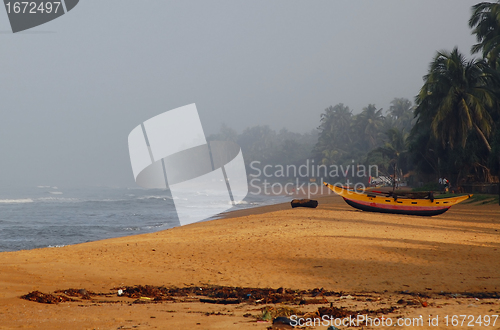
71,90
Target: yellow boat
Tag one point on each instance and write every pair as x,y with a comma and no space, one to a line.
379,203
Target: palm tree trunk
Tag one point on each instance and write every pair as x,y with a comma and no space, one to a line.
481,135
458,178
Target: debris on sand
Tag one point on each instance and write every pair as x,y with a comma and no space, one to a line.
221,301
78,293
206,294
230,295
45,298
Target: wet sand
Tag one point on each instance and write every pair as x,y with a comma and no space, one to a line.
376,259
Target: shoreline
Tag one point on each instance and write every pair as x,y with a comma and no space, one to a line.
333,247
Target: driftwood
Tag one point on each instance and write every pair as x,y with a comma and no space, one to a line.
304,203
221,301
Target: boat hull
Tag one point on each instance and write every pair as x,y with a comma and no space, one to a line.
379,208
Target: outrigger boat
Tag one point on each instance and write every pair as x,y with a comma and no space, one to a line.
391,203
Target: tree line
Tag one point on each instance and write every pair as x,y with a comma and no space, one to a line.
451,130
263,144
458,107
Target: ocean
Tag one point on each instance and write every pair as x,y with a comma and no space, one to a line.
49,216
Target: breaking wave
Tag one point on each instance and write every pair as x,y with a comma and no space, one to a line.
16,201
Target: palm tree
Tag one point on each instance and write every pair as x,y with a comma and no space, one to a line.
455,98
485,22
395,148
399,107
401,114
336,120
369,123
334,133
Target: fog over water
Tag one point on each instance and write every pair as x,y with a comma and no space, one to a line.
71,90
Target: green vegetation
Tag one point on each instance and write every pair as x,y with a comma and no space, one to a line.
261,143
483,199
452,130
430,186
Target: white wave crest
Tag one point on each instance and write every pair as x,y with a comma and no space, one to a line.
16,201
57,199
155,197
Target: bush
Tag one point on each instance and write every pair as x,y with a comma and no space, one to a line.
429,186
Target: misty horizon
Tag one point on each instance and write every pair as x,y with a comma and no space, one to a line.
70,97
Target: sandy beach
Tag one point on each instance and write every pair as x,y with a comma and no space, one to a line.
415,266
